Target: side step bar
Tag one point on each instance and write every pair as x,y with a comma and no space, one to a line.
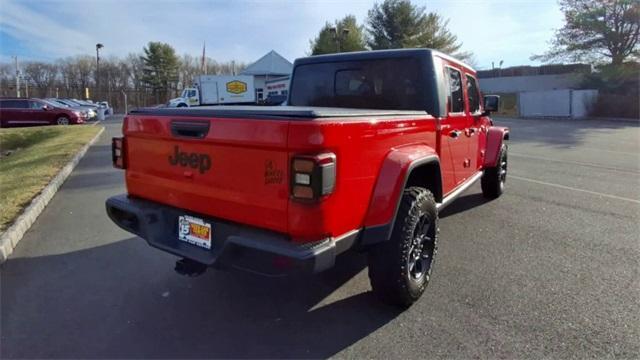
455,193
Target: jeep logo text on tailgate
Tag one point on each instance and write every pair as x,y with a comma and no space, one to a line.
202,162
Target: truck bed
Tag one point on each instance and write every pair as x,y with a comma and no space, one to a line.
274,112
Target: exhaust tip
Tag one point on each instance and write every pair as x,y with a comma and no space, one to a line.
190,268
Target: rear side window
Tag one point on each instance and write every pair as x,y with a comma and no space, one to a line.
473,94
456,97
366,84
14,104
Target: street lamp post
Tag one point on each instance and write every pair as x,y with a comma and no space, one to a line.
98,47
17,77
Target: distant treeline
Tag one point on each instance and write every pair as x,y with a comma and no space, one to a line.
69,77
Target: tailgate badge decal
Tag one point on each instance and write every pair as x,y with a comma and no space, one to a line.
194,160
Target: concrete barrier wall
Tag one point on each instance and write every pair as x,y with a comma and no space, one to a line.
514,84
556,103
582,101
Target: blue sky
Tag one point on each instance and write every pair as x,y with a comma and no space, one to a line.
45,30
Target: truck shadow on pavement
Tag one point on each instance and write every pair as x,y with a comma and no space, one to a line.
123,300
464,203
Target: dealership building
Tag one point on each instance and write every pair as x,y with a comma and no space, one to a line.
271,75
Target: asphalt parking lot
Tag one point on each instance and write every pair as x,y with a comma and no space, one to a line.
550,269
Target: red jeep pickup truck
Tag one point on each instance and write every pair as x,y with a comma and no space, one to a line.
369,148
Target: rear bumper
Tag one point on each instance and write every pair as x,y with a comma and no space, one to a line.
233,245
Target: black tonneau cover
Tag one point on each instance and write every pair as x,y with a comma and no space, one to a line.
288,112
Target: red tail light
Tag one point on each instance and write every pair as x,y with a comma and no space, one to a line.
118,153
313,176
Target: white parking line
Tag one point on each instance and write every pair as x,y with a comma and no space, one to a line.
96,123
581,163
574,189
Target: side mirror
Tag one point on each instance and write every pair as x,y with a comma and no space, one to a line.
491,103
46,107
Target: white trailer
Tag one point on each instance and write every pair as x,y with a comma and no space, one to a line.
217,90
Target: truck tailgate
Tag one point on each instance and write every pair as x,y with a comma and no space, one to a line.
232,169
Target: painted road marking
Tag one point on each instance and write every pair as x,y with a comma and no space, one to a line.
574,189
574,162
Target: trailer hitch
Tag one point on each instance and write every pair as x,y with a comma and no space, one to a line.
190,268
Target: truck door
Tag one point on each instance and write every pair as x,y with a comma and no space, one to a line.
474,123
194,97
453,131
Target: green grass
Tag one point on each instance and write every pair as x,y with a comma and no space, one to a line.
30,157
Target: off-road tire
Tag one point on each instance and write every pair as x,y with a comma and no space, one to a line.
494,178
389,262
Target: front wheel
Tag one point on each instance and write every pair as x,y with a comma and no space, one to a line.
494,178
62,120
400,268
182,105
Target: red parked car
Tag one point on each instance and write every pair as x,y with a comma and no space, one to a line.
36,112
371,146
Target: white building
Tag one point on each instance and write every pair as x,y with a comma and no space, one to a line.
277,86
271,70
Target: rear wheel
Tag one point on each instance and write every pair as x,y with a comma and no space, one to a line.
62,120
494,178
400,268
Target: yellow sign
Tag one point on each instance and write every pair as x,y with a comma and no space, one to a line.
236,87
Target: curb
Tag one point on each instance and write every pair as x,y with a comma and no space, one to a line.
10,238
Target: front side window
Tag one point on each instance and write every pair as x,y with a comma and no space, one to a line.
34,105
473,94
456,97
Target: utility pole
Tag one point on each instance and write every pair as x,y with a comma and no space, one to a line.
337,37
17,77
98,47
124,94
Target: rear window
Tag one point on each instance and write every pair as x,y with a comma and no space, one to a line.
14,104
368,84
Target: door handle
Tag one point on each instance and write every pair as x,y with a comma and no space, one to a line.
455,134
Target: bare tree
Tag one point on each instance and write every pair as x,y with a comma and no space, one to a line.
189,68
68,77
7,79
86,67
43,76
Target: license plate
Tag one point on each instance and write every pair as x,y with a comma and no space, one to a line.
194,231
